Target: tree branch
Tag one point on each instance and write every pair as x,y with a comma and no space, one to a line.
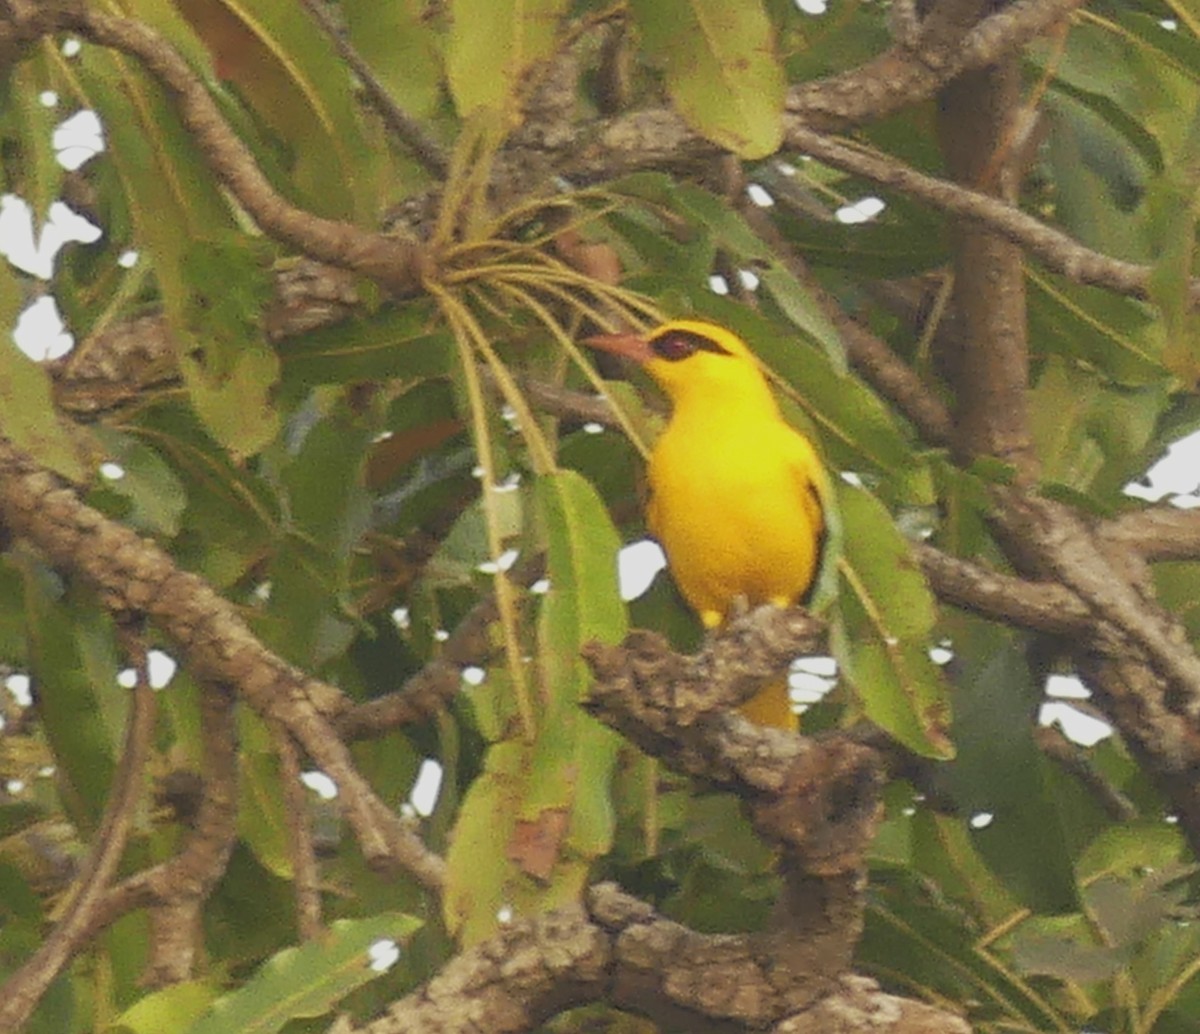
616,948
187,879
402,125
1038,606
397,265
911,72
135,575
1156,533
817,799
989,368
23,990
1055,249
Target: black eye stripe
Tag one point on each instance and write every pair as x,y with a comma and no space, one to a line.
674,345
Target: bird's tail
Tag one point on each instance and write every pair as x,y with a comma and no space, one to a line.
772,706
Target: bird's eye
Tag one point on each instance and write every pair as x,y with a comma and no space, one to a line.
679,344
673,347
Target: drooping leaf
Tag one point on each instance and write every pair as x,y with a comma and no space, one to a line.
31,122
720,67
1117,335
286,68
1000,778
27,414
492,46
884,637
155,494
72,659
170,1008
328,511
156,160
402,48
262,821
1174,200
532,824
583,604
236,407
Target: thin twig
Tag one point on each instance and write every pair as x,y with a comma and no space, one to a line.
24,988
305,885
406,128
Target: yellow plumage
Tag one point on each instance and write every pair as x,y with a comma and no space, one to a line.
736,493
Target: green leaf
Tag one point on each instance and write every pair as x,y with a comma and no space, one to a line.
157,161
32,125
231,517
328,511
1175,200
533,823
721,70
287,70
1001,772
884,635
493,45
573,760
402,49
72,659
912,931
157,497
27,414
396,342
262,822
169,1009
237,407
1119,336
306,981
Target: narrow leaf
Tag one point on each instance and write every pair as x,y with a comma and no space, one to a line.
887,618
307,981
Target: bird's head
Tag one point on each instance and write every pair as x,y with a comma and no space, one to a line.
692,360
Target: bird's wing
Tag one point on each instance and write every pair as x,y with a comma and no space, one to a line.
815,490
810,477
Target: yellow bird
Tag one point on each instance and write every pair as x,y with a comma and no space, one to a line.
736,494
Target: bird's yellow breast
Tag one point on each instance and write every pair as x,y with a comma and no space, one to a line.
734,502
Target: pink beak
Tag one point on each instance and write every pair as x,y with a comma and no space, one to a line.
630,345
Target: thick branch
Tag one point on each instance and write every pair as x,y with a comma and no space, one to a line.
1067,548
134,575
989,367
1039,606
913,72
616,948
816,798
184,882
903,76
